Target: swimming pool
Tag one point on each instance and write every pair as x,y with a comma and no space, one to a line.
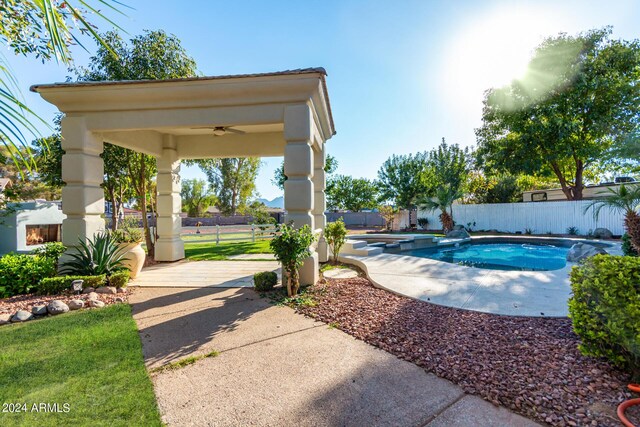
499,256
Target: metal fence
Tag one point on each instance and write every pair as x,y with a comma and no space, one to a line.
539,217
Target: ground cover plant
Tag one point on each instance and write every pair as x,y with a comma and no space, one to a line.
529,365
91,360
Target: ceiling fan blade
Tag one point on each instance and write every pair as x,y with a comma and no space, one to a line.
205,127
236,131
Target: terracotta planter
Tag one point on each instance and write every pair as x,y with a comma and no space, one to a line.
133,257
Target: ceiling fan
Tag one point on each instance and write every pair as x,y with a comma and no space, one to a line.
222,130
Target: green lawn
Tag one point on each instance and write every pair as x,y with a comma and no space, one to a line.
90,359
213,252
239,236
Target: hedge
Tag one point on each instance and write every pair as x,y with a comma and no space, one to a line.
605,309
20,274
119,279
56,285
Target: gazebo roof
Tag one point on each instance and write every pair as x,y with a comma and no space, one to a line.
88,85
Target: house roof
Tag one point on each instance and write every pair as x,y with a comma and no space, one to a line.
315,70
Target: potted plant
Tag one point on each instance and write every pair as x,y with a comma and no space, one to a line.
129,238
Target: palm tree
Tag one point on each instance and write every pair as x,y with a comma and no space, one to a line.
625,200
443,199
44,29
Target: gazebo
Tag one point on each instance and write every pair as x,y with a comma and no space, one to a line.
253,115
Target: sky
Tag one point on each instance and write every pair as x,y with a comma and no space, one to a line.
401,74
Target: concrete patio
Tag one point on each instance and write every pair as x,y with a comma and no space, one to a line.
203,274
276,367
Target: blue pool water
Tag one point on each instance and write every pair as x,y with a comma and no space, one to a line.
500,256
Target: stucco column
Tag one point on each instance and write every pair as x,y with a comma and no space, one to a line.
169,246
319,200
298,188
83,173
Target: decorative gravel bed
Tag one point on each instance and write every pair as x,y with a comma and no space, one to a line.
529,365
26,302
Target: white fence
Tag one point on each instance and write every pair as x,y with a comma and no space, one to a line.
541,217
222,233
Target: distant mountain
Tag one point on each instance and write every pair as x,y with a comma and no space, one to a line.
278,202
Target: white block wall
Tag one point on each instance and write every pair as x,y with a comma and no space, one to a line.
541,217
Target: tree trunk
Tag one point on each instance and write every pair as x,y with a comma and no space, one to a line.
632,225
114,208
447,221
142,201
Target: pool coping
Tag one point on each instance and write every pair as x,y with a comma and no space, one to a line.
511,293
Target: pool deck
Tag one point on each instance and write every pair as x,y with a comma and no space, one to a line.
514,293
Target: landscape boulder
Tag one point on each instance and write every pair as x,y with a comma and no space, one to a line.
57,307
106,290
21,316
458,234
96,303
580,251
88,290
92,296
458,227
39,310
602,233
5,318
76,304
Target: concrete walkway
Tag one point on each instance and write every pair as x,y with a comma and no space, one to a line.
278,368
203,274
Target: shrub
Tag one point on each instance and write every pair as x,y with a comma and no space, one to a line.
291,247
100,255
129,232
627,247
19,274
57,285
605,309
423,223
336,234
265,281
51,250
573,231
120,278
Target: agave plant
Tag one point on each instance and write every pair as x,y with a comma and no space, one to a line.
625,200
100,255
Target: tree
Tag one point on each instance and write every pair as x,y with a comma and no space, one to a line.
402,179
44,29
388,213
331,164
448,165
291,248
233,181
153,55
626,200
196,196
579,99
353,194
117,182
336,234
442,199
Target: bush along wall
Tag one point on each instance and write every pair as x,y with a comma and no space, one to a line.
20,274
605,309
57,285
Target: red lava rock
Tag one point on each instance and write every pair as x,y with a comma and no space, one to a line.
528,364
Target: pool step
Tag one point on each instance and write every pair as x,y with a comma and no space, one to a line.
360,247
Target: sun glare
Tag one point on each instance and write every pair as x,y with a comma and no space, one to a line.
492,50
